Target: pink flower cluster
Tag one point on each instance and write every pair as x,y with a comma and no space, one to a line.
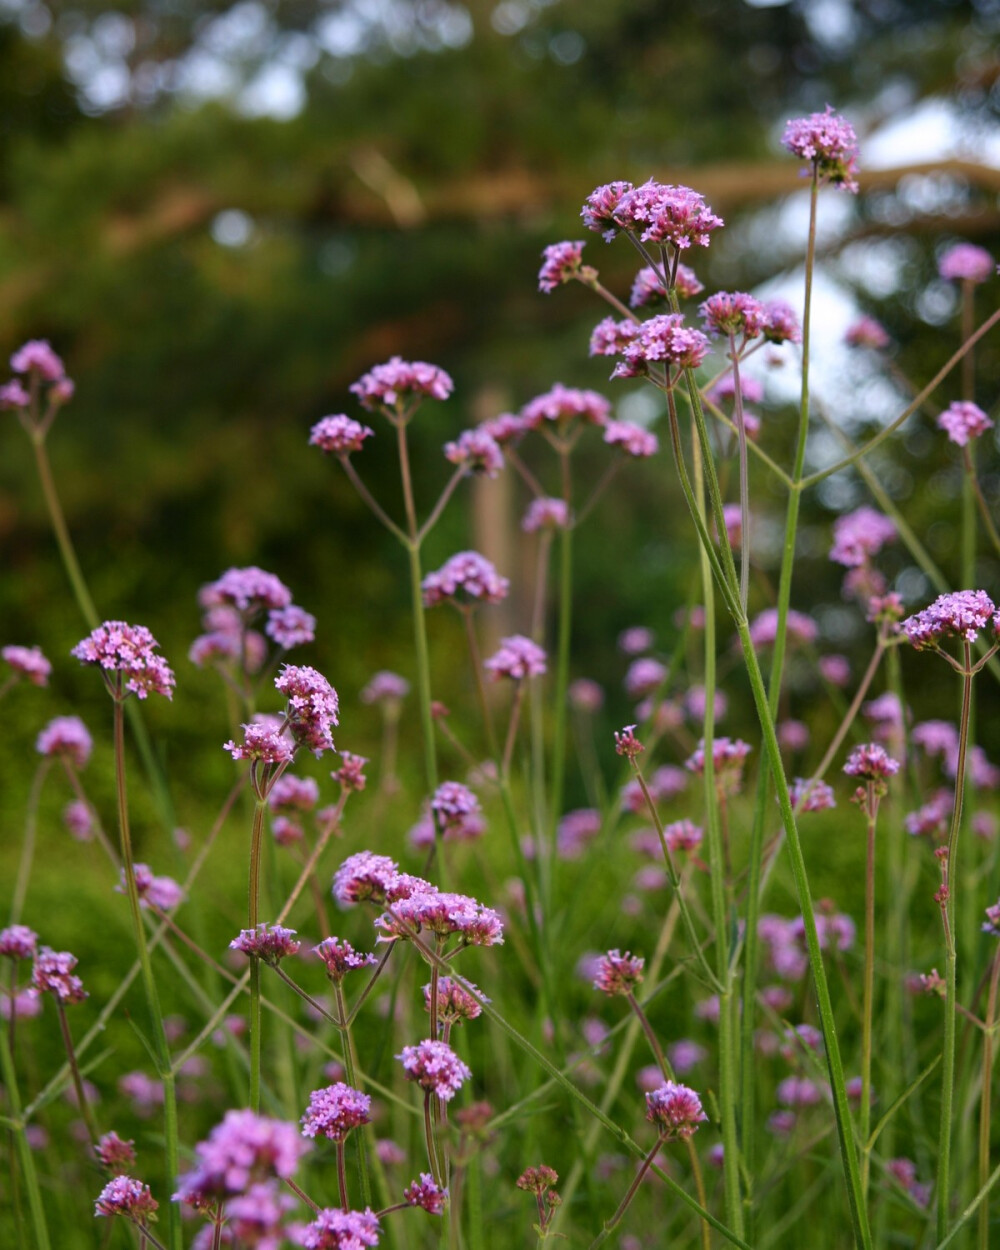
963,421
126,1196
859,535
427,1194
272,943
312,707
964,262
545,513
617,973
871,762
435,1067
161,892
477,452
656,212
466,578
829,142
734,313
675,1110
561,262
563,404
340,1230
518,658
631,438
244,1149
125,654
662,340
29,662
340,957
454,1002
962,614
339,434
52,973
66,737
397,382
648,286
334,1111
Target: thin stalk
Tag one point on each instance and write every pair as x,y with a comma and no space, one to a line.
981,504
83,1104
374,506
24,1152
951,960
985,1099
611,1224
741,433
61,530
342,1178
476,659
160,1045
865,1111
565,618
253,916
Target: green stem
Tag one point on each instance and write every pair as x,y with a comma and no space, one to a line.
565,617
611,1224
864,1118
160,1045
951,960
253,912
24,1152
985,1099
83,1104
28,845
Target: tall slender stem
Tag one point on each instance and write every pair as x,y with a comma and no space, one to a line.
741,433
28,845
253,919
864,1117
160,1046
24,1152
83,1104
985,1098
951,962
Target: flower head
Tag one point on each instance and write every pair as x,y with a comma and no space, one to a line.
675,1110
664,339
364,876
631,438
293,794
66,737
397,382
964,262
427,1194
657,212
598,211
452,803
563,404
466,578
262,741
961,614
29,662
443,913
125,656
270,943
115,1154
781,324
435,1067
829,142
334,1111
351,773
648,286
561,262
617,973
610,337
454,1002
963,421
17,941
538,1179
477,452
734,313
385,687
79,820
52,973
249,591
871,762
312,706
547,514
13,395
627,744
340,957
126,1196
860,535
811,796
161,892
866,332
290,627
340,1230
244,1149
37,356
339,434
517,658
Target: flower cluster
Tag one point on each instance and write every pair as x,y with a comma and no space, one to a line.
961,614
465,579
339,434
334,1111
860,535
161,892
29,662
312,706
633,439
427,1194
477,452
435,1067
871,763
867,332
648,286
964,262
734,314
340,1230
617,973
564,404
454,1002
263,742
675,1110
125,656
340,957
829,142
561,263
662,340
126,1196
397,382
52,973
66,737
386,688
270,943
443,914
248,590
545,513
963,421
452,804
244,1149
517,658
17,941
656,212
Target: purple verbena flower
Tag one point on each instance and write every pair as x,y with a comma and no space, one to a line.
598,211
961,614
29,662
161,892
728,755
312,706
36,356
340,957
451,803
261,742
66,737
270,943
13,395
866,332
936,737
52,973
394,384
427,1194
734,313
444,914
293,794
126,1196
627,744
536,1180
454,1002
364,876
547,514
518,658
932,818
781,323
334,1111
799,1092
351,773
617,973
644,676
339,434
631,438
871,762
290,627
477,452
811,796
79,820
682,835
561,262
249,591
665,214
563,404
991,924
585,695
340,1230
675,1110
115,1154
17,941
829,142
860,535
964,262
435,1067
610,337
385,687
465,579
963,421
685,1055
125,656
575,830
664,339
244,1149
